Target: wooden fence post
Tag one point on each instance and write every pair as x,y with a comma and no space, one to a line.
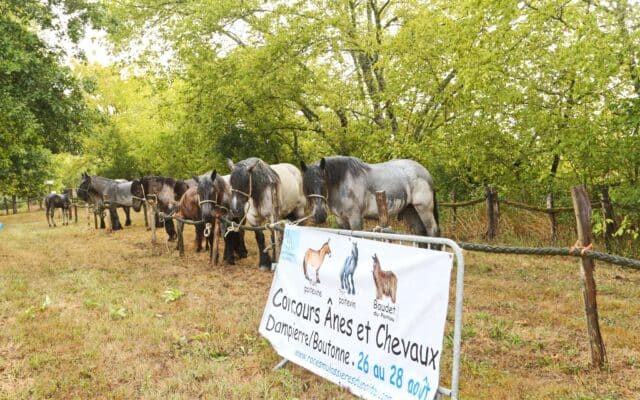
383,212
455,209
491,195
582,209
609,223
552,218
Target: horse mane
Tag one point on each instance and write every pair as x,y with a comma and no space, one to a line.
164,180
337,167
262,177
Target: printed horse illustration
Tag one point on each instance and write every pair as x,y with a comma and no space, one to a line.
214,196
262,192
61,201
348,270
315,258
347,187
386,281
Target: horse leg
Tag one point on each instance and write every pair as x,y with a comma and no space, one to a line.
353,284
102,224
265,260
180,244
199,237
127,212
115,220
355,222
53,214
170,228
318,275
157,221
426,224
239,246
229,244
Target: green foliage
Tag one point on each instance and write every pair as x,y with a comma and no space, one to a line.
42,106
171,295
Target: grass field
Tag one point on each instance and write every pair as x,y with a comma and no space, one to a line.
88,314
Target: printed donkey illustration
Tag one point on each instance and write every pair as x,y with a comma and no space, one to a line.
348,269
314,258
386,281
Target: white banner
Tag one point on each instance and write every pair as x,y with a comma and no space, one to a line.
363,314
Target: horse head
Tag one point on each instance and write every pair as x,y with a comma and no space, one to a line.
137,194
376,263
242,185
84,187
209,195
314,185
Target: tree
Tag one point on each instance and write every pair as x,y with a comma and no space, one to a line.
42,108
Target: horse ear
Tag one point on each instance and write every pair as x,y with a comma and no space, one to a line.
195,178
230,163
213,175
323,163
303,166
251,166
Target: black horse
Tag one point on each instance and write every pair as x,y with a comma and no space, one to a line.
214,195
62,201
109,194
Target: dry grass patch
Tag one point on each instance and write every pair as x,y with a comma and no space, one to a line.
89,314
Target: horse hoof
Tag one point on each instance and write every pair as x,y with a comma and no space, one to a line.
265,268
230,262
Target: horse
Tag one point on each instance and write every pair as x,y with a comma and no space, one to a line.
87,193
214,195
62,201
347,186
188,208
114,193
348,269
160,189
262,192
315,258
386,281
122,196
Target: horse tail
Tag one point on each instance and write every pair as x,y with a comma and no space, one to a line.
435,212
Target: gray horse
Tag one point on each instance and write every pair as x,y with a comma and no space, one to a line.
347,186
111,194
